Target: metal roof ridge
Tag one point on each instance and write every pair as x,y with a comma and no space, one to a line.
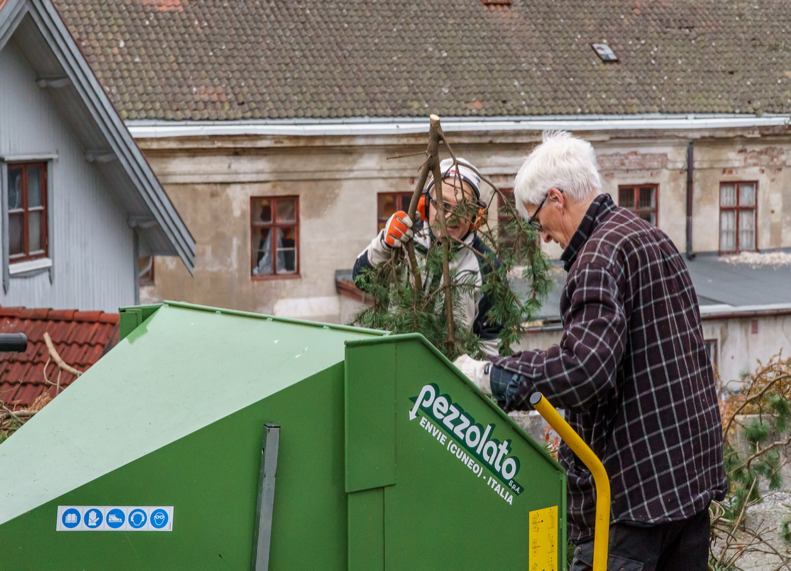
265,317
748,309
148,128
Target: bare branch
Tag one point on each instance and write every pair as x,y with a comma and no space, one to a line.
55,357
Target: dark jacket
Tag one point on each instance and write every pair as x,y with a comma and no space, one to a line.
632,373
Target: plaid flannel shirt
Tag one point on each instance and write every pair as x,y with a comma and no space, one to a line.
632,373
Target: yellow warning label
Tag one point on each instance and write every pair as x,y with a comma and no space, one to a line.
544,539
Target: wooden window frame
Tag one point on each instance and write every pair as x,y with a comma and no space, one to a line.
25,212
737,209
397,194
274,225
501,218
636,210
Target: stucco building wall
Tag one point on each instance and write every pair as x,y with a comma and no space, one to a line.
337,179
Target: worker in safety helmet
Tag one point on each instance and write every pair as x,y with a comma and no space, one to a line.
631,369
464,212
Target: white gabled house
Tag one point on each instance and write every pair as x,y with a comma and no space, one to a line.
80,204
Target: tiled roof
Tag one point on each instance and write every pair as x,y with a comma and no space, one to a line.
273,59
79,337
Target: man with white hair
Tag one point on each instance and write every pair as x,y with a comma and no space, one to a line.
631,369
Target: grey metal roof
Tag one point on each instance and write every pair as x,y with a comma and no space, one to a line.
49,48
723,287
717,282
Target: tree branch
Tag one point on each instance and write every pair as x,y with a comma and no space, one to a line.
55,357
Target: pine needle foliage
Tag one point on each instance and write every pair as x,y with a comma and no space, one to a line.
756,418
399,306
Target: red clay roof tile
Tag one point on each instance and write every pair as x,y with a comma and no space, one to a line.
79,337
87,315
62,314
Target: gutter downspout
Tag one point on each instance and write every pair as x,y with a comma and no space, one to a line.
690,172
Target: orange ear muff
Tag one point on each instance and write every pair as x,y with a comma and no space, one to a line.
422,207
477,222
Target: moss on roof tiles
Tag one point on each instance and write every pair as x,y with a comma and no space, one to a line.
402,58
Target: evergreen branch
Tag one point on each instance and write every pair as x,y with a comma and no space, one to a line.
752,399
760,452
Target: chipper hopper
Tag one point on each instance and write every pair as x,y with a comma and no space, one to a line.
214,439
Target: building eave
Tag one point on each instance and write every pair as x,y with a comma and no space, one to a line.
127,159
143,129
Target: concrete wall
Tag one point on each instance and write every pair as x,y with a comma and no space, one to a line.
337,179
92,247
742,342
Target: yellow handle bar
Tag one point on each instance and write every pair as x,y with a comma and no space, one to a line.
584,453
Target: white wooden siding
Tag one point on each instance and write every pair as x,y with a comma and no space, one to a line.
92,246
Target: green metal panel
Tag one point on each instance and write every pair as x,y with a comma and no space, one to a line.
448,509
370,417
366,530
174,416
179,371
211,478
131,317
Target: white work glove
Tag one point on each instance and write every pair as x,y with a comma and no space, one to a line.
398,230
476,371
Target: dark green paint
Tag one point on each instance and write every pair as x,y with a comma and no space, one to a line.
174,415
366,530
370,417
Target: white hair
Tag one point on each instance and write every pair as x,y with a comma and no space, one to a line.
560,161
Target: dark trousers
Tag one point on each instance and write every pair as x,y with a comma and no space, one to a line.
675,546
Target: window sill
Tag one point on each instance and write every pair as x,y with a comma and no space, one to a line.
29,268
267,277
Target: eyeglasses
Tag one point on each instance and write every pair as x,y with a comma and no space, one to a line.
535,223
462,209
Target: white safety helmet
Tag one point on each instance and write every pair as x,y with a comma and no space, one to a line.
467,174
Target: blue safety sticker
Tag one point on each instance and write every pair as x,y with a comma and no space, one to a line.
115,518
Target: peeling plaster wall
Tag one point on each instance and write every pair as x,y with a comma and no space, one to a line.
211,180
741,159
740,349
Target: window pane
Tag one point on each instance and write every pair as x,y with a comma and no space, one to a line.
15,235
626,197
14,189
747,195
647,197
145,268
262,210
728,231
747,229
286,210
33,187
649,217
262,246
386,206
405,199
728,195
34,232
286,251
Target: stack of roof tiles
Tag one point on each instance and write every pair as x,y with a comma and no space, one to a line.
79,337
315,59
